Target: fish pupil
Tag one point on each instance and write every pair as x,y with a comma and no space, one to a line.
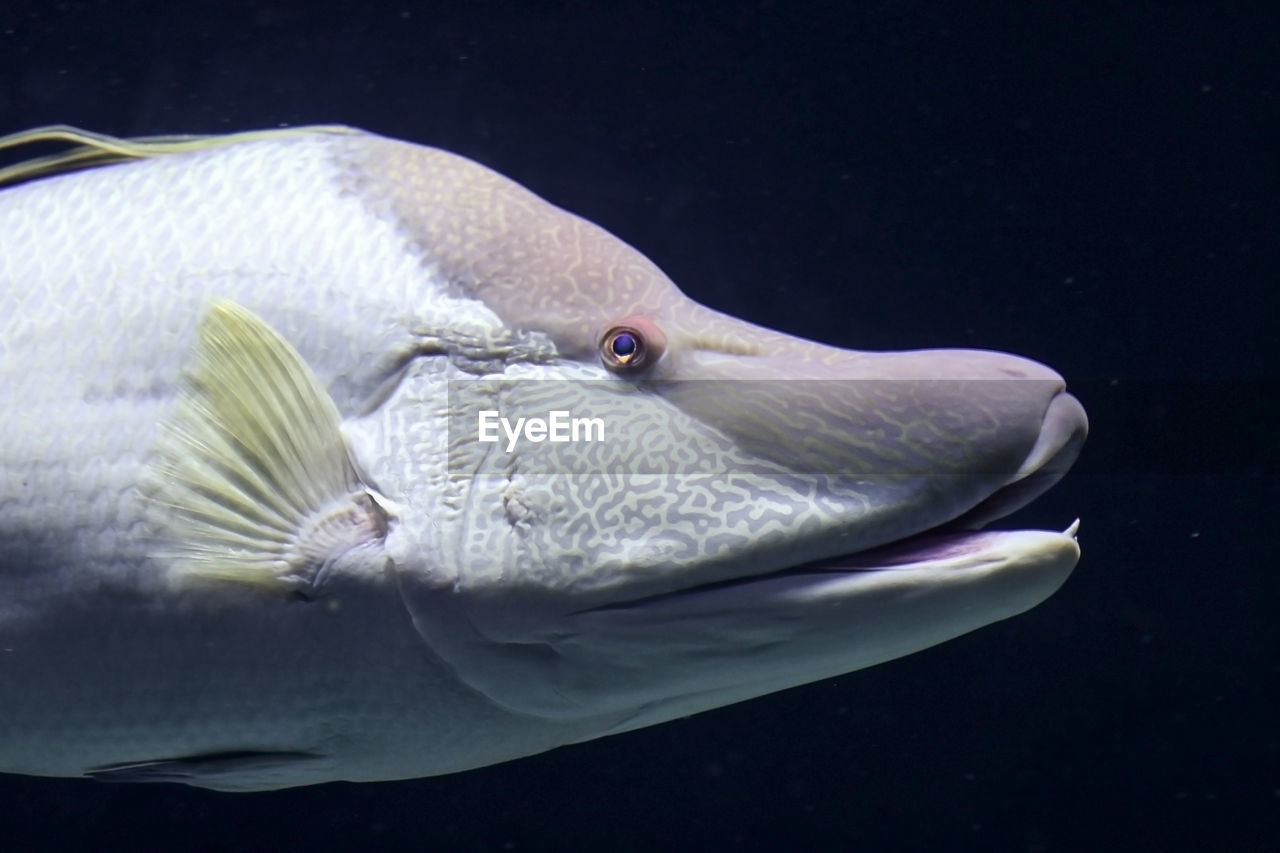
625,346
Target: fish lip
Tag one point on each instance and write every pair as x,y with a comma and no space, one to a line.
1064,428
937,549
934,546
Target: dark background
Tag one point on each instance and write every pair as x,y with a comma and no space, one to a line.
1095,189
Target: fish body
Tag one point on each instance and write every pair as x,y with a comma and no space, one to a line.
250,537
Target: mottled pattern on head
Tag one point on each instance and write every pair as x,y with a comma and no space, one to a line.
535,265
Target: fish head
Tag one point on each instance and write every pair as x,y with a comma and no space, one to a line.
755,511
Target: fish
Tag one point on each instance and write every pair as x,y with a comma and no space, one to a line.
292,488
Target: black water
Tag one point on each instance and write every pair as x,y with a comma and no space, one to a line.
1096,190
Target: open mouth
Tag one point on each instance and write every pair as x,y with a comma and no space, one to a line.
958,543
1061,437
933,547
937,549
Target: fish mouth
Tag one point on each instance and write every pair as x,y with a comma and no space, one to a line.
1061,438
935,547
934,550
952,545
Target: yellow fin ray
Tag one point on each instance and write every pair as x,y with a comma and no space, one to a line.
252,479
98,149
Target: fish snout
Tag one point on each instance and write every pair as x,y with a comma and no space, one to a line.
926,436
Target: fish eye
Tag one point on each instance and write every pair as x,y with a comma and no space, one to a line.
623,349
631,345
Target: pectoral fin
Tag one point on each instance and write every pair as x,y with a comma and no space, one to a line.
252,479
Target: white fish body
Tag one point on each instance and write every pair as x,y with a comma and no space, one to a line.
240,546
